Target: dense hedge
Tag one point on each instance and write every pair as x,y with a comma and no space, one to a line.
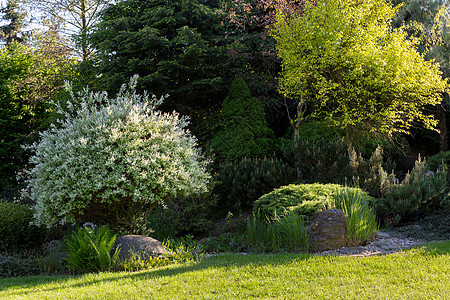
15,229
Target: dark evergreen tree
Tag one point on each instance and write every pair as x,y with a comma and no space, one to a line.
172,45
11,31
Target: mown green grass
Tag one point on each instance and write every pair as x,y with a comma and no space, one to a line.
422,273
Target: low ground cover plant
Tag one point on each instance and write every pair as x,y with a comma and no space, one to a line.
300,199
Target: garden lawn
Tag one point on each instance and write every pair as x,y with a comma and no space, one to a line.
422,273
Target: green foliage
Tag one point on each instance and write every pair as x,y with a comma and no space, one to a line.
324,161
438,161
28,80
225,243
13,266
12,32
172,45
370,174
431,228
346,62
319,132
90,250
299,199
287,233
242,129
111,161
15,229
417,195
183,215
52,261
239,184
359,215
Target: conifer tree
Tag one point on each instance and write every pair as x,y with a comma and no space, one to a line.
242,129
11,31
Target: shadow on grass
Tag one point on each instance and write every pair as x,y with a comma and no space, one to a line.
435,248
216,262
219,261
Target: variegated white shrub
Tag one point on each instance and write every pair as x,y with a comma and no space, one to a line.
112,160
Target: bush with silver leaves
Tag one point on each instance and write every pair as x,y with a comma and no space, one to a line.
111,161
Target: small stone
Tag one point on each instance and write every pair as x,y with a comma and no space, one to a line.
387,246
352,250
382,235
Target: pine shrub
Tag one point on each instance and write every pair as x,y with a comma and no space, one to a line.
419,194
319,161
239,184
436,162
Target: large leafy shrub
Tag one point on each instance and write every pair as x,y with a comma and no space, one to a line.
239,184
15,229
300,199
112,160
242,129
419,194
91,250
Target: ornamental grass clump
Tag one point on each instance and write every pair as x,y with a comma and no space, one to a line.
359,215
288,233
110,161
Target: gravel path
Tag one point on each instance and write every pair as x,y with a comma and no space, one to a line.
384,243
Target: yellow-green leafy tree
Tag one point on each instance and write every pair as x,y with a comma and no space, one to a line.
344,60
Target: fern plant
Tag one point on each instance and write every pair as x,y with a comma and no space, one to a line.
90,250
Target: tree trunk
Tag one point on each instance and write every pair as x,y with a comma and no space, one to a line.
84,45
443,134
349,141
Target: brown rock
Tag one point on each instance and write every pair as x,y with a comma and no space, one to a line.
143,246
328,230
